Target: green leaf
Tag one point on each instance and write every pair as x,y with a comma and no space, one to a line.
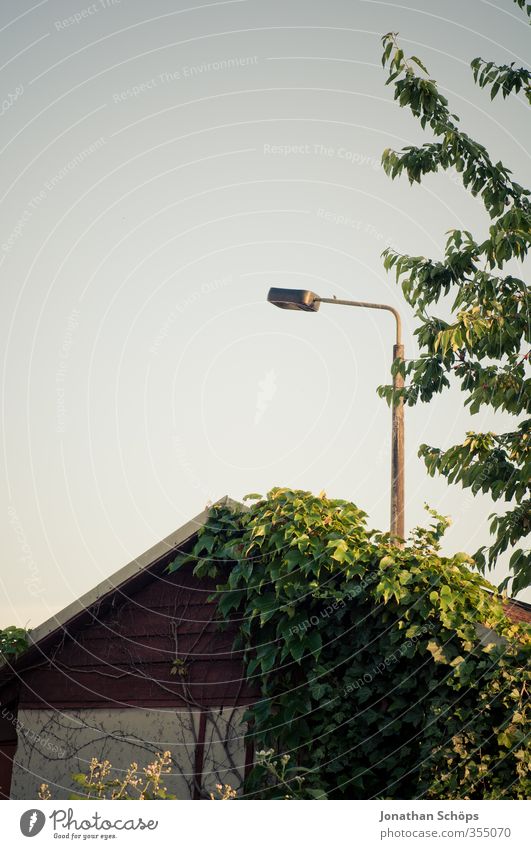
313,643
417,61
296,650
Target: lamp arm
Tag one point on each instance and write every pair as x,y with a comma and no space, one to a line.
367,305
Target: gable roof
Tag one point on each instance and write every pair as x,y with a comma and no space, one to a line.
115,646
152,561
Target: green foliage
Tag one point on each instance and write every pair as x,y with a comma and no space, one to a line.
485,345
366,656
13,641
504,78
523,4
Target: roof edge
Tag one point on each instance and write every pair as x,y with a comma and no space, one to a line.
125,573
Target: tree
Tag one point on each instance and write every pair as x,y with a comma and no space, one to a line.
372,680
485,345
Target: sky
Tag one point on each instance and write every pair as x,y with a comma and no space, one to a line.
163,165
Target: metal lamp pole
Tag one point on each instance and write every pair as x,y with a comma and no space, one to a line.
306,301
397,419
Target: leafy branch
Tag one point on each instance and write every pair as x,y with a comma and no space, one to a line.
484,343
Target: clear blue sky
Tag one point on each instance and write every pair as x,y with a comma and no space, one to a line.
163,165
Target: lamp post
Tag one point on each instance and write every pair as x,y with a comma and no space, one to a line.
305,301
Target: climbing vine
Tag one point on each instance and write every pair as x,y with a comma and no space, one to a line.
13,641
382,671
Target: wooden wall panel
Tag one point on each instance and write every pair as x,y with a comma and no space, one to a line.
125,654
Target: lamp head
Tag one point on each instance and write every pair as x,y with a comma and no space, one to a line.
294,299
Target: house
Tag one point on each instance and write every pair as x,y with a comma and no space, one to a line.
136,666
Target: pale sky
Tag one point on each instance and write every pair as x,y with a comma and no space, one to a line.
163,165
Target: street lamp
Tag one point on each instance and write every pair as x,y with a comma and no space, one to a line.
305,301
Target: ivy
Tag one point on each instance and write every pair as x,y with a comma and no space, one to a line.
486,343
13,641
366,656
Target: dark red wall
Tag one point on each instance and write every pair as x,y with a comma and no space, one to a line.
123,655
